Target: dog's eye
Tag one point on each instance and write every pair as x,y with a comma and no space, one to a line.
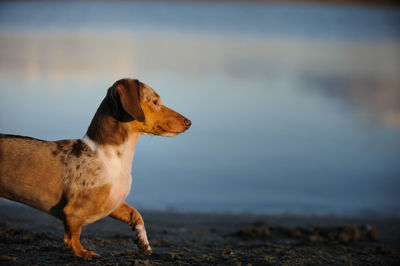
155,102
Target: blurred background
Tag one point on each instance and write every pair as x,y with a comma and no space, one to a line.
295,107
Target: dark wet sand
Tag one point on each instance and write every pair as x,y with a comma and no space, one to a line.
32,237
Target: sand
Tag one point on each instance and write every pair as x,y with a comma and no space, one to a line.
30,237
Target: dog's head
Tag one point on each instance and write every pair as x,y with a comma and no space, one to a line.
134,102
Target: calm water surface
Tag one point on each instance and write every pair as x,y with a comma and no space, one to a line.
294,108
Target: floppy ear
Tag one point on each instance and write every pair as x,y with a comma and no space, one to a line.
129,96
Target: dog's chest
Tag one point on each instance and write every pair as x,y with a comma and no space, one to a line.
117,165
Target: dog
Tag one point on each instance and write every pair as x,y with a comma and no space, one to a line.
83,180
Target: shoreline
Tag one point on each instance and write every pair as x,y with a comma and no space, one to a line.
29,236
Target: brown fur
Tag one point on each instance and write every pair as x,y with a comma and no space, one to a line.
66,178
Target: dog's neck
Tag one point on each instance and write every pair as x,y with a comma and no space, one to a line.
117,157
107,133
128,144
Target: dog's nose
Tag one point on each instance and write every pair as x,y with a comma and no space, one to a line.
187,123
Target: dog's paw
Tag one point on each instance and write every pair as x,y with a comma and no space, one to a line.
91,254
141,240
86,254
145,249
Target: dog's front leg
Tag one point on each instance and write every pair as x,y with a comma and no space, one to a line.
133,218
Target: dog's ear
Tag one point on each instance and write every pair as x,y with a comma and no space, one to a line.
128,92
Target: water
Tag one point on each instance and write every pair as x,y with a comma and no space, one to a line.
294,108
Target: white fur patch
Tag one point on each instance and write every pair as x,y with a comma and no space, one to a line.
116,166
117,171
89,142
141,233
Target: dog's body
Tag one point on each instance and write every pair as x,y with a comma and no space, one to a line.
81,181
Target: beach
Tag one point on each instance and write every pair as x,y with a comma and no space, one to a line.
30,237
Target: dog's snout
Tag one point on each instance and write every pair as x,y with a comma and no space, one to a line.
187,123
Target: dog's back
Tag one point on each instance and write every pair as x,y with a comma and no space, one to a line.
27,166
